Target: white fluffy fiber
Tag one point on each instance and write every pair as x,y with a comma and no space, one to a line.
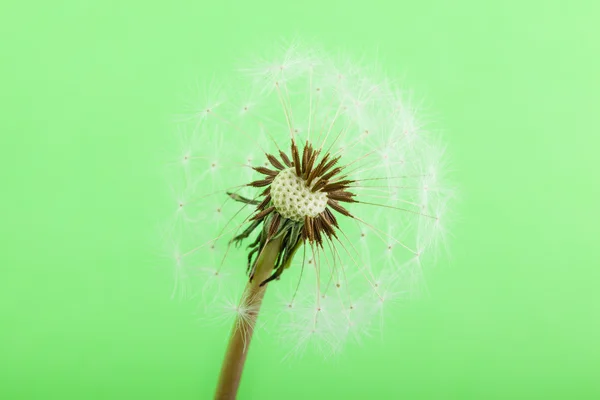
327,296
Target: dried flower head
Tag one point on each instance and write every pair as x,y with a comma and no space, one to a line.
319,154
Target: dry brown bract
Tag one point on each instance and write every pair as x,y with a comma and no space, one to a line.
326,178
318,175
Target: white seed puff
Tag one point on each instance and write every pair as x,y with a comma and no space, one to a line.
379,216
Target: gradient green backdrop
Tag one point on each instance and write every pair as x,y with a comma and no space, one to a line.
86,91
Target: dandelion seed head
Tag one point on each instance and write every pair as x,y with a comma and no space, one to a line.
334,156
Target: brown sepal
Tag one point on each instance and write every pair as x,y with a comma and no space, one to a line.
330,164
337,207
296,158
319,185
274,224
331,173
328,229
274,161
335,186
305,155
267,191
264,203
308,230
285,159
309,166
261,183
317,231
329,217
341,195
265,171
262,214
321,163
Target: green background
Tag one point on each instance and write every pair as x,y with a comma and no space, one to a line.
87,88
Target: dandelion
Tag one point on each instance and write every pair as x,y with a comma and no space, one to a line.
332,183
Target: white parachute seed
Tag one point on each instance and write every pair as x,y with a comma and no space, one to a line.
333,293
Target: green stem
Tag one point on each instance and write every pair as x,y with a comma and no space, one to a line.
243,328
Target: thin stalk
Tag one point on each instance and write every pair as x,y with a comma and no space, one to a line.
243,328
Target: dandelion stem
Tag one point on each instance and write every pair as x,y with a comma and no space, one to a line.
243,328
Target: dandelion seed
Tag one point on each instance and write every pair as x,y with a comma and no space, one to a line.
331,182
